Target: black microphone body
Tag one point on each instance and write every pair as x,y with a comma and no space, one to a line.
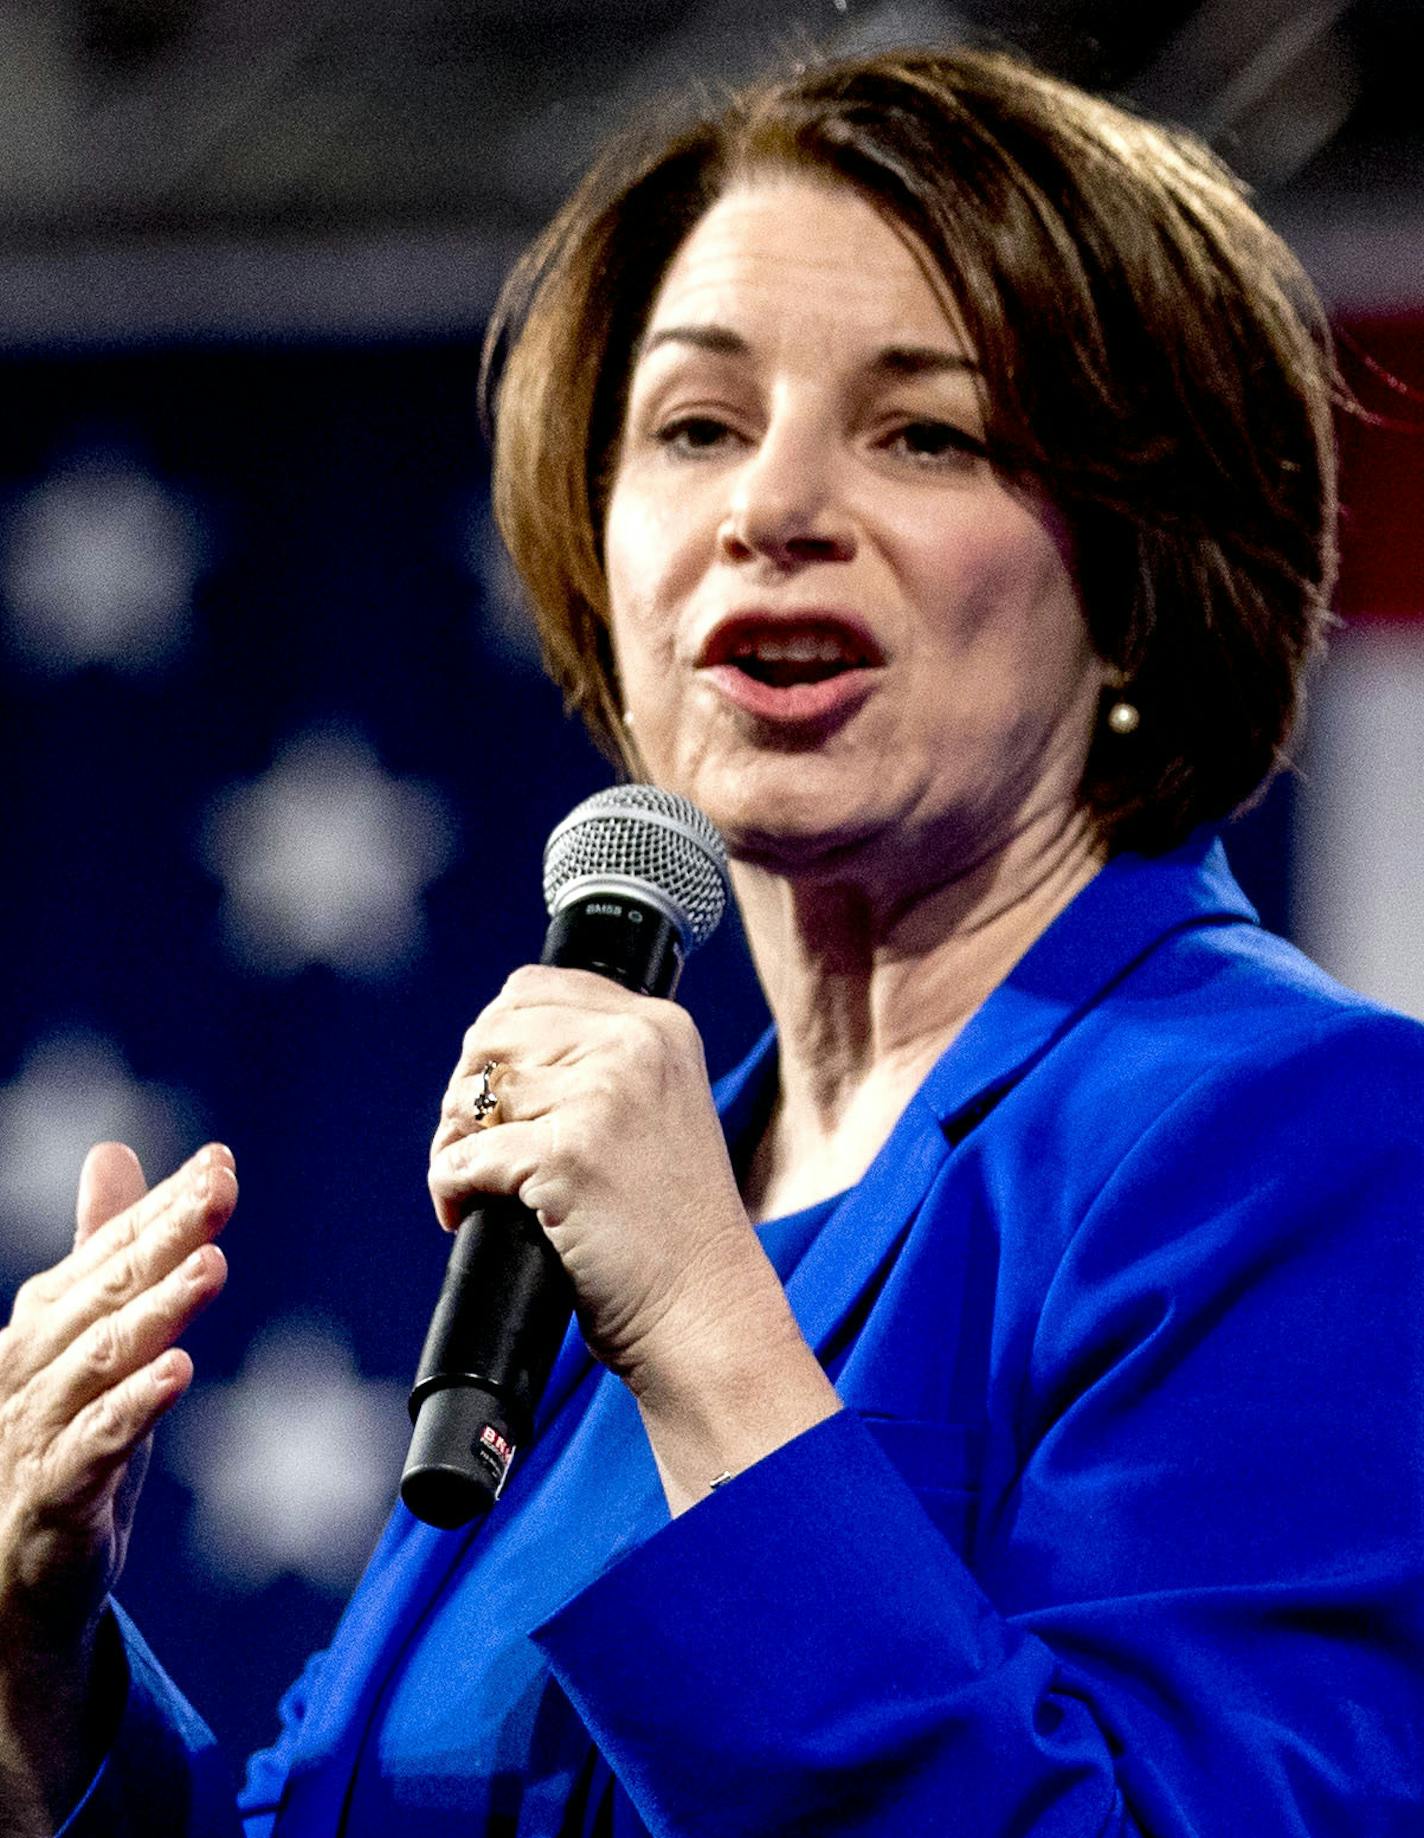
506,1301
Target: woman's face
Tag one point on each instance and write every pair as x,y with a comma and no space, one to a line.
836,628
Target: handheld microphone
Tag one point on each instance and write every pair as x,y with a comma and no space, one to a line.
635,878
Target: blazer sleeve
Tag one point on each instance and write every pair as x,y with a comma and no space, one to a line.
164,1775
1194,1607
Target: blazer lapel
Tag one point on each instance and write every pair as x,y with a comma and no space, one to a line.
841,1272
1128,908
408,1570
1123,914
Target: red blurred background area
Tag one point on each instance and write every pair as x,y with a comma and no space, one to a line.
1382,492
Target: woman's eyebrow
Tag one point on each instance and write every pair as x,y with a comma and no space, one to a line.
922,360
719,339
893,360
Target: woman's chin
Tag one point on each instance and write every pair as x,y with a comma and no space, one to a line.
884,851
786,817
795,844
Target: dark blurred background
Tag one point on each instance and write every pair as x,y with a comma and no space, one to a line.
278,760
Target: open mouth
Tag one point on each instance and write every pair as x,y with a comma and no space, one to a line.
783,672
792,668
781,655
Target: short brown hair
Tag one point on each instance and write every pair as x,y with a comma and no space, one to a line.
1154,364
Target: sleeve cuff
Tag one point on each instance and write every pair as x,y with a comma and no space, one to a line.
163,1777
804,1634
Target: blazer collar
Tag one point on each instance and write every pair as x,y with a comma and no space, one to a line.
1129,907
1124,912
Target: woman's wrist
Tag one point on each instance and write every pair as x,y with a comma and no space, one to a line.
730,1394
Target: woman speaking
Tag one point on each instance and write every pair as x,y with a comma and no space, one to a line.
997,1407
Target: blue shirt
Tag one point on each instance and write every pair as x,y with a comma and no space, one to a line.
1121,1531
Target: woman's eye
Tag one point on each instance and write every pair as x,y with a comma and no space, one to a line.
932,442
693,434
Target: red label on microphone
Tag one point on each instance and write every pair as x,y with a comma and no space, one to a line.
491,1437
495,1453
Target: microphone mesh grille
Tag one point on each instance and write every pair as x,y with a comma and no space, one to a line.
641,833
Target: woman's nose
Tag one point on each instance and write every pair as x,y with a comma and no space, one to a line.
784,505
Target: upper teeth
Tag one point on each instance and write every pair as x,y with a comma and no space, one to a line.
796,648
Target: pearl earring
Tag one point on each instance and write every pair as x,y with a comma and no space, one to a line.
628,719
1123,717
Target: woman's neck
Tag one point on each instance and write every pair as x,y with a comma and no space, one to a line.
866,996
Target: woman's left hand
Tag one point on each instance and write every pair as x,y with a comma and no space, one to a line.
607,1131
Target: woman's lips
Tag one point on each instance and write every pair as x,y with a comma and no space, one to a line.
803,666
812,700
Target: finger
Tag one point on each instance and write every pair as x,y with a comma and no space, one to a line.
209,1177
524,1097
555,1001
464,1106
498,1161
524,1059
145,1242
554,986
89,1458
110,1180
119,1344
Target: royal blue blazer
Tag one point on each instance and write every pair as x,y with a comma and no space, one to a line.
1120,1530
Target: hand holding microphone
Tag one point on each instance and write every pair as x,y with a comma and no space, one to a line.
606,1181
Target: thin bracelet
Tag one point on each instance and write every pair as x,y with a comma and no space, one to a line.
719,1480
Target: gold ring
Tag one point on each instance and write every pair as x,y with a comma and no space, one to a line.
486,1105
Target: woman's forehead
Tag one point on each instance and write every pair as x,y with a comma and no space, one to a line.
781,250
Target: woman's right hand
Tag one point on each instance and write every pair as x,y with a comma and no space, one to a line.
87,1367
